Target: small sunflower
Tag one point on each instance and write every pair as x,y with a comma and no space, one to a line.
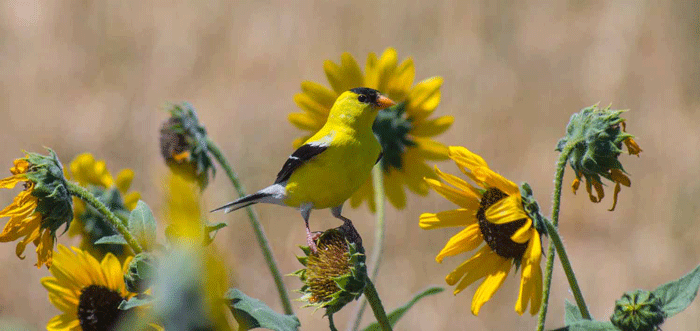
498,215
89,223
404,130
87,291
40,209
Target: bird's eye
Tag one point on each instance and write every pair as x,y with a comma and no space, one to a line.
362,98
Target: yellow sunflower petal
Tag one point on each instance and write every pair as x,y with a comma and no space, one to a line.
523,234
434,127
491,284
11,181
506,210
131,199
465,158
300,141
113,272
366,192
431,149
320,93
424,98
415,172
393,188
402,80
20,166
345,76
531,278
317,112
489,178
304,121
458,183
536,297
64,322
64,298
371,73
124,179
476,267
385,68
458,197
466,240
44,249
449,218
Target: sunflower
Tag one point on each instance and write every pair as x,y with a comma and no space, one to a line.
40,209
404,130
89,223
87,291
494,214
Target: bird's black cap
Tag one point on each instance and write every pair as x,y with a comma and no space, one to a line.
371,94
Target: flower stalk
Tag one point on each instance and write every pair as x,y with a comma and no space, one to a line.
117,223
556,243
377,307
379,228
257,227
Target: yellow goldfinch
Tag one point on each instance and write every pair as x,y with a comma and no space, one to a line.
332,164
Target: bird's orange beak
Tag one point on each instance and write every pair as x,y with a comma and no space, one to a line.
384,102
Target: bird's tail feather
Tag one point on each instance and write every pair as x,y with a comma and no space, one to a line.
243,202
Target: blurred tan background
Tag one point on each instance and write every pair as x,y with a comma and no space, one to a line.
93,77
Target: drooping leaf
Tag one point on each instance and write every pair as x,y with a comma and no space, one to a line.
116,239
571,313
252,313
588,325
142,225
678,294
209,228
397,313
139,300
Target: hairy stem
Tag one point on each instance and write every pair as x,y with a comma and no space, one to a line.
257,228
376,304
549,267
113,220
379,227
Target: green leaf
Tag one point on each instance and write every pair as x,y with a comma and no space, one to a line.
139,300
588,325
395,315
571,313
252,313
116,239
142,225
209,228
678,294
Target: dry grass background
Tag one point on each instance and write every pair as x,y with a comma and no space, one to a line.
93,76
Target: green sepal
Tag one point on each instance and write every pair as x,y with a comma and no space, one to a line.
209,228
677,295
137,301
392,130
252,313
116,239
142,225
55,203
399,312
140,273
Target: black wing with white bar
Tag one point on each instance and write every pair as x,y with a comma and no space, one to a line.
302,155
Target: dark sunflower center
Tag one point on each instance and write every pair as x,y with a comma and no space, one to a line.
391,129
497,236
98,308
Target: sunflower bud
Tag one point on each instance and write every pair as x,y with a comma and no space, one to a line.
139,275
335,274
638,311
41,208
595,137
183,144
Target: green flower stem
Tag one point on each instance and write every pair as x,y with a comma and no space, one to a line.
90,199
257,228
559,176
379,227
376,304
566,265
331,324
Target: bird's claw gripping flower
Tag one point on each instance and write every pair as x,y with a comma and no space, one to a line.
335,274
405,130
500,217
639,310
594,137
183,144
41,208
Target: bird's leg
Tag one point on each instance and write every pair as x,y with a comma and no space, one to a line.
305,213
349,229
336,211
